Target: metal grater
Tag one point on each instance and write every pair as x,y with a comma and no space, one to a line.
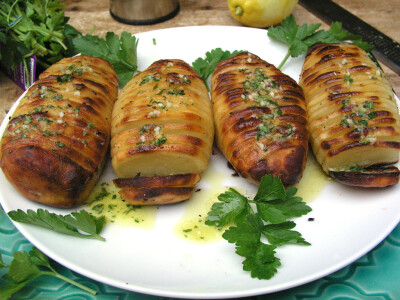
386,49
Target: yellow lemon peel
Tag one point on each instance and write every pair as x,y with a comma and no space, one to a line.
261,13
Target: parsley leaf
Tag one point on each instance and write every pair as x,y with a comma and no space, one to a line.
271,188
121,52
260,259
75,224
248,230
343,35
230,206
279,234
275,206
26,267
206,66
300,38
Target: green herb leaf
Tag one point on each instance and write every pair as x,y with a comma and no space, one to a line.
275,206
9,289
121,52
224,212
248,230
206,66
22,268
73,224
26,267
38,258
343,35
279,234
34,28
260,259
271,188
85,222
2,264
300,38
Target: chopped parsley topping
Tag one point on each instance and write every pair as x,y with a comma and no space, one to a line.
28,120
64,78
348,79
73,69
149,78
158,137
264,130
160,141
261,89
36,109
59,144
176,92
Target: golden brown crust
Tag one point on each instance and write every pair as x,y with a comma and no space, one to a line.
189,179
54,147
377,177
260,118
156,195
354,120
157,190
161,125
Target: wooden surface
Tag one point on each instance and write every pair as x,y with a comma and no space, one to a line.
85,14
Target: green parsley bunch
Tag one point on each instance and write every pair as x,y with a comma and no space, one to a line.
37,27
274,207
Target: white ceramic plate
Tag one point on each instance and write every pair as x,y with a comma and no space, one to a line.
348,222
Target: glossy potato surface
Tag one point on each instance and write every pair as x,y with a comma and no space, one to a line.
54,147
353,115
260,118
162,123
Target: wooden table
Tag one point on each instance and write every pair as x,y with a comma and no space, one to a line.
85,14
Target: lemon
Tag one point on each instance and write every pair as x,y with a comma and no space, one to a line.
261,13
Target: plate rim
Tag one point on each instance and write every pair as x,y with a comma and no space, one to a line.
24,229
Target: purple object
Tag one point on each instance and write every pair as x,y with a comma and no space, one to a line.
24,79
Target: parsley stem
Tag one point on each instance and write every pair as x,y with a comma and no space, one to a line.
284,59
26,71
59,40
77,284
11,9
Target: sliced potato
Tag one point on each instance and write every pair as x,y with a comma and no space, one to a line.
55,145
141,190
156,195
189,179
260,118
162,125
353,115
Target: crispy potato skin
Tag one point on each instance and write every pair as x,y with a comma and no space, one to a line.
353,115
260,119
189,179
55,145
161,125
157,190
377,177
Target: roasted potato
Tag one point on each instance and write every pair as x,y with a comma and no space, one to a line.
353,115
157,190
55,145
162,123
260,119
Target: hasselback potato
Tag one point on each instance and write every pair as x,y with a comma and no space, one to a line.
55,144
353,115
260,119
162,125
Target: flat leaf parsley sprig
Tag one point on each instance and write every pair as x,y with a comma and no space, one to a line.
120,52
206,66
274,207
79,224
26,267
300,38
